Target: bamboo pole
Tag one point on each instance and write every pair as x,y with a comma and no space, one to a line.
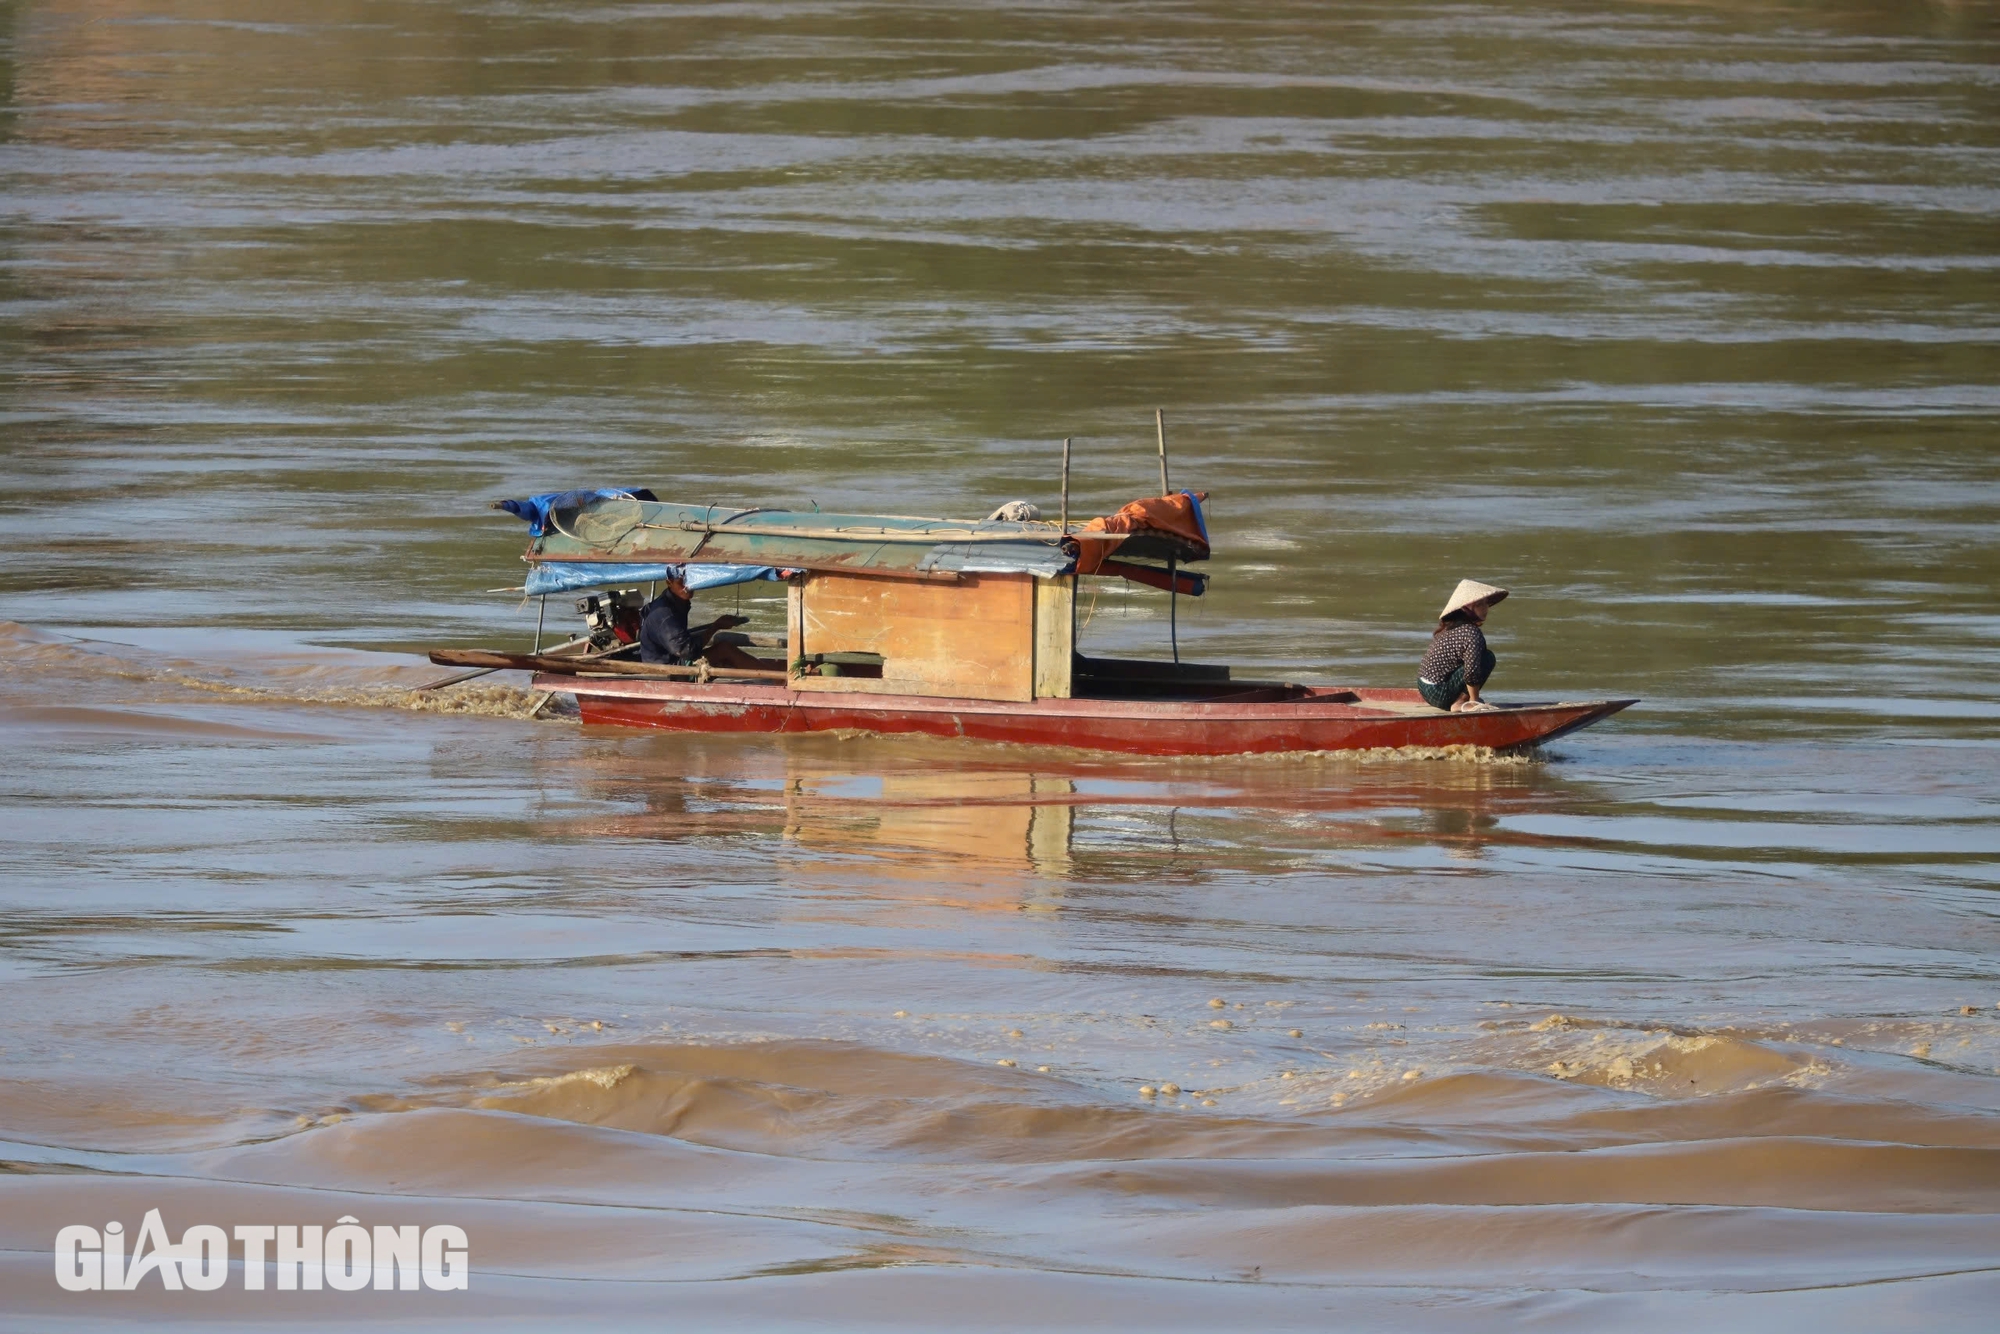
1065,488
1173,584
878,536
542,612
1075,579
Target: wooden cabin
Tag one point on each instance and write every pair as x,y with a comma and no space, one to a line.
979,636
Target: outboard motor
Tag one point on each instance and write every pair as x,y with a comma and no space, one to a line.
612,617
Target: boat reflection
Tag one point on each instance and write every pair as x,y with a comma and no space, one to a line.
991,828
1001,817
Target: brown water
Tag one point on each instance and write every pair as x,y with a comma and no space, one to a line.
1681,321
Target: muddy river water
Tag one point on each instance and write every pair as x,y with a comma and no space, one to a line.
1681,321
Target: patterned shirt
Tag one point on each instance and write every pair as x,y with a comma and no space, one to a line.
1460,644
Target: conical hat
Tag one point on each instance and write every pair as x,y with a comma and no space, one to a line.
1468,592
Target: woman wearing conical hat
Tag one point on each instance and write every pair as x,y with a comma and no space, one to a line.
1458,662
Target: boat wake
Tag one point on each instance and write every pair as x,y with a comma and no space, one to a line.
35,661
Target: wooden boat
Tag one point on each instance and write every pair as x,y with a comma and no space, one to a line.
942,628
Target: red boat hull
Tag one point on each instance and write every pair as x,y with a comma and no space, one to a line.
1305,719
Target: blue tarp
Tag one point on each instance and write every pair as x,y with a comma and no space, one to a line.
535,509
1200,520
570,576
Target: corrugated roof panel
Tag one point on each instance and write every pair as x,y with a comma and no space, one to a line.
997,558
617,528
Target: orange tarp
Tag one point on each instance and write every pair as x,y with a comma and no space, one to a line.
1174,514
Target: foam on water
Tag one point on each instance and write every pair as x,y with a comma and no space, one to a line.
300,675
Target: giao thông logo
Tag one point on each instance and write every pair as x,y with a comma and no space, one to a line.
346,1257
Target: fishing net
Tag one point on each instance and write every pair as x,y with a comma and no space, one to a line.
598,521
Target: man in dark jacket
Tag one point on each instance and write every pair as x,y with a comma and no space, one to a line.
664,635
663,626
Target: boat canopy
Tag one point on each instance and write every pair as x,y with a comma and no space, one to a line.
575,530
574,576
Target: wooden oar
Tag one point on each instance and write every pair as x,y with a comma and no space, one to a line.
454,680
488,671
713,627
542,662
